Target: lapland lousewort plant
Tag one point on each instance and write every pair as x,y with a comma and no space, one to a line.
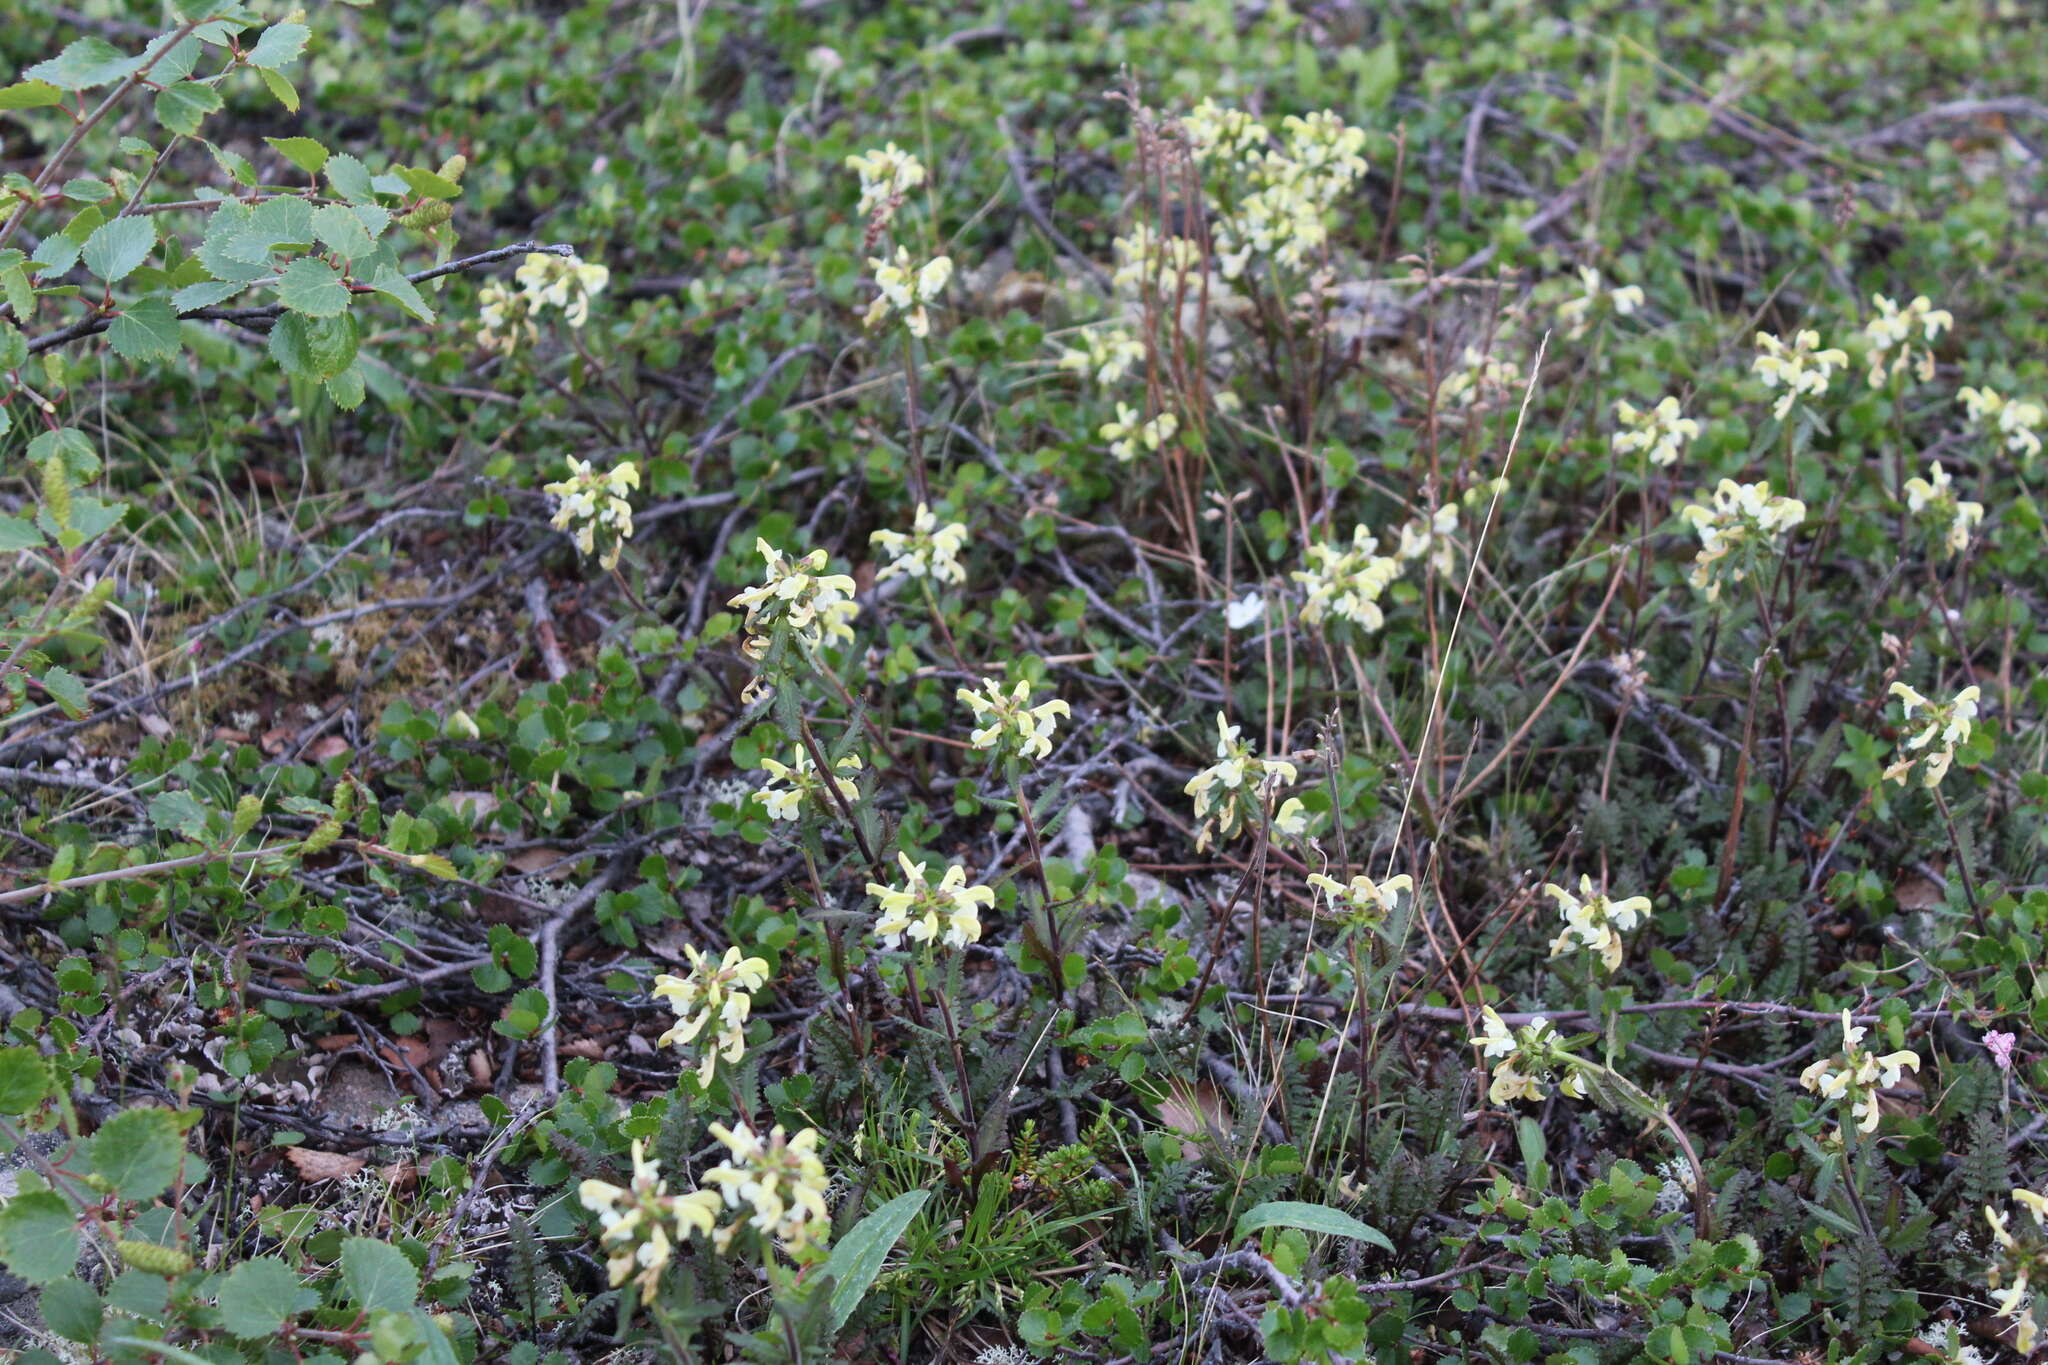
1740,522
1934,499
1526,1059
1577,314
1892,331
793,785
1347,582
1127,434
949,912
777,1181
1361,900
1106,353
712,1001
887,174
1593,922
2018,1262
636,1222
1802,369
2015,421
1853,1076
1009,724
595,504
906,288
1234,788
1933,749
815,605
506,320
927,550
1662,431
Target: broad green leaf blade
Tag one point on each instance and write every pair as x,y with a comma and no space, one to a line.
377,1275
24,1079
69,691
118,246
257,1295
139,1152
39,1237
314,288
146,330
859,1257
18,533
303,152
184,106
1317,1218
350,178
280,45
86,63
314,348
29,95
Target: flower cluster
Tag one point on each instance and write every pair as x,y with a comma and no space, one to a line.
714,1001
886,174
1935,499
2017,1262
818,606
591,503
1892,330
926,550
1577,314
1662,431
1593,922
545,281
778,1179
1362,901
1107,353
906,287
1479,378
950,911
1430,538
1741,517
1347,581
1292,185
1145,258
1855,1075
1803,368
1126,434
2016,420
1236,784
799,783
636,1219
1526,1059
1934,747
1011,723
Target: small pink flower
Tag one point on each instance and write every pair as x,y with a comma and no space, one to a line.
2000,1047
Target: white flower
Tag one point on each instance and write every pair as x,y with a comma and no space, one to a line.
1856,1075
1947,727
2016,421
1347,581
588,502
779,1180
818,606
1594,922
887,174
1011,722
1524,1059
1893,327
1235,785
1126,434
1362,900
922,912
545,281
1245,610
1741,516
714,995
927,550
1430,538
1661,431
1576,313
906,287
634,1222
1108,354
1479,378
1936,495
1802,368
800,782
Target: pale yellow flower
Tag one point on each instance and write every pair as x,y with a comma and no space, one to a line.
886,174
1234,786
1743,517
1934,498
1011,723
1662,431
1803,368
778,1180
1892,330
949,912
1934,747
1594,922
1347,582
716,997
927,550
799,783
818,606
1855,1076
1362,900
589,504
906,287
2015,421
